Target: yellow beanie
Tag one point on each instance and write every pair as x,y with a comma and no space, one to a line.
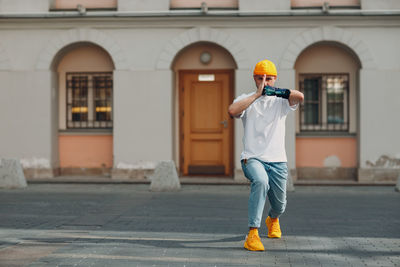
265,67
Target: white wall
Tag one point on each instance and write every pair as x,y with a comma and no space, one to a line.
143,5
25,113
244,84
20,6
142,116
379,115
143,131
379,94
286,79
263,5
380,4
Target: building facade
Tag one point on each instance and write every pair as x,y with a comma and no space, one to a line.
113,87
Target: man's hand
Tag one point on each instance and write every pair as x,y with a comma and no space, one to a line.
261,86
295,97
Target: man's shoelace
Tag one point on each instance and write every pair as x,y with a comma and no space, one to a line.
275,227
256,237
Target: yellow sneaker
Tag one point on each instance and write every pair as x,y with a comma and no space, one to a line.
274,229
253,241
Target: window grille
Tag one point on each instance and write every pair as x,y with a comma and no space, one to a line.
89,100
326,102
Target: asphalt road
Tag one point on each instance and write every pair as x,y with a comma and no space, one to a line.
202,225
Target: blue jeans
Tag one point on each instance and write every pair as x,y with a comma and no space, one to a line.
267,179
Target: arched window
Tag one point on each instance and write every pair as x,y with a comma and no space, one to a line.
86,88
327,74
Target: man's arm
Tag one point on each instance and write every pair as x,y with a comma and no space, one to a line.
235,109
295,97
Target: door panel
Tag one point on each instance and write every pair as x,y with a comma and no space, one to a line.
205,107
206,152
206,137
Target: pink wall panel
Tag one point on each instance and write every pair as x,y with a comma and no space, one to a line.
72,4
309,3
87,151
313,151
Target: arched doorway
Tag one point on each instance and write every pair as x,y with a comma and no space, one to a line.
204,78
327,123
85,110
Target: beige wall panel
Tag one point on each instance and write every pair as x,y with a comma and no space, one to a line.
189,58
85,57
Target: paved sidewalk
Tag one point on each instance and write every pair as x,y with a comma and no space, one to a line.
126,225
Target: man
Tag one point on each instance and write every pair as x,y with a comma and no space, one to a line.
263,159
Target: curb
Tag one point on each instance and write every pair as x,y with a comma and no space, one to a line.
194,181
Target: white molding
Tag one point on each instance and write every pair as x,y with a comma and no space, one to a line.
202,34
50,51
328,33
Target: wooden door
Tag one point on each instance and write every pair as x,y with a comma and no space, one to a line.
206,128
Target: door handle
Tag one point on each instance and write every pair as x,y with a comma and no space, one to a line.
225,123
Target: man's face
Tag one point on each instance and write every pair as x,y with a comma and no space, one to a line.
269,80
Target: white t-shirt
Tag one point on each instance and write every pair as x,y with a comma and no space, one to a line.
264,128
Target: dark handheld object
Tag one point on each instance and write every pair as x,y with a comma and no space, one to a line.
279,92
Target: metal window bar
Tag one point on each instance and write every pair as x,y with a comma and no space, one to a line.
89,100
332,102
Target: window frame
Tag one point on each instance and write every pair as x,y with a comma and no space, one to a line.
323,127
91,123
